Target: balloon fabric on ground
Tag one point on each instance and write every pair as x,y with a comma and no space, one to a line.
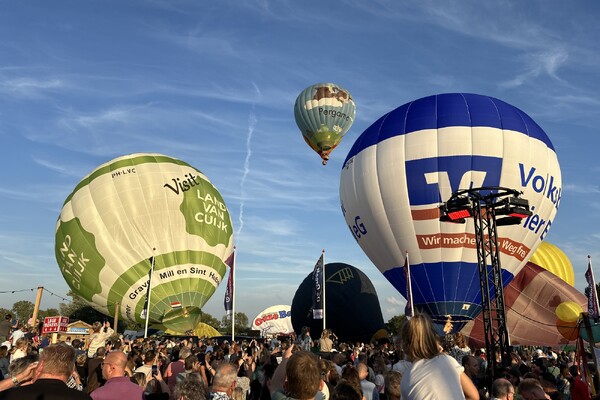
411,160
551,258
324,112
274,320
352,308
531,300
134,211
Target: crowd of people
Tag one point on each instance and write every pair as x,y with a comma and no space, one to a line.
415,365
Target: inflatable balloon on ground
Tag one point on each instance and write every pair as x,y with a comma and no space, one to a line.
569,311
551,258
274,320
136,211
324,112
411,160
352,308
531,300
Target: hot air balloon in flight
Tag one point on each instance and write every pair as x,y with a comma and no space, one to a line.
411,160
324,113
139,211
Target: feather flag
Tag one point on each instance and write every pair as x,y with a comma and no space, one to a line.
317,277
228,302
592,293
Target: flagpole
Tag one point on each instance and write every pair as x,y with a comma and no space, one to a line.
233,300
149,294
324,293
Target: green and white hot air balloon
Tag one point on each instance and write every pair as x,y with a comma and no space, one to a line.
324,112
136,210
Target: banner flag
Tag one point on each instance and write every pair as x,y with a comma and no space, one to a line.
592,293
317,277
228,302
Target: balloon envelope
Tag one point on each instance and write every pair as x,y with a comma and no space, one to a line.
274,320
551,258
531,300
352,308
411,160
324,112
137,211
569,311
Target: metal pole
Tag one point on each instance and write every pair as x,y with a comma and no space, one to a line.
149,296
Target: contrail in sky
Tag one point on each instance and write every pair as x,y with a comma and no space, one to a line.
252,121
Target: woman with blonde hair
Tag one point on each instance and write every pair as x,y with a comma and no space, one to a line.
434,374
21,349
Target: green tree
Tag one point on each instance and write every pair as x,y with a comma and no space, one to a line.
23,310
210,320
241,323
394,324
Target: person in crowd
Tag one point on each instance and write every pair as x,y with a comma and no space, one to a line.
224,382
101,332
502,389
149,359
4,361
301,375
369,389
94,371
420,344
345,390
392,381
6,326
531,389
176,367
49,380
117,384
17,334
579,389
20,349
460,348
155,387
22,370
563,382
325,344
305,341
189,389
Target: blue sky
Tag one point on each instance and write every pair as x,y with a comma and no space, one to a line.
214,84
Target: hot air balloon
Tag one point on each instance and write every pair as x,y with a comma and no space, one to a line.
552,259
346,288
274,320
324,113
137,211
531,300
411,160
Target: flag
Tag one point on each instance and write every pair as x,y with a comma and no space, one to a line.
317,277
592,293
144,312
228,302
408,311
175,304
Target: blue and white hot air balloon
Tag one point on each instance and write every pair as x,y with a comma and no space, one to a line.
411,160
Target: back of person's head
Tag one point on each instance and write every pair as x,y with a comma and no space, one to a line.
149,356
76,343
419,340
184,352
58,359
3,351
189,362
8,317
459,340
574,370
392,381
139,378
189,389
346,390
303,375
363,370
531,386
500,388
20,364
101,352
225,376
238,394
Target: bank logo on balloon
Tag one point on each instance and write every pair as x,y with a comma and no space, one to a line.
411,160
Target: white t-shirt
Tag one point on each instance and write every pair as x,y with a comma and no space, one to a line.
432,379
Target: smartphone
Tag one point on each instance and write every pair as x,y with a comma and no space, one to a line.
154,370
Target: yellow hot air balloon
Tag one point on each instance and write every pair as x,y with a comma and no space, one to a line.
552,259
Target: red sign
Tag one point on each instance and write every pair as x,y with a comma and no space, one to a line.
55,324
